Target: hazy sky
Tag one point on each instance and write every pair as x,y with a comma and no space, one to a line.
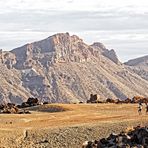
119,24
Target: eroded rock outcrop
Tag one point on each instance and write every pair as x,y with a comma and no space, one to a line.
111,54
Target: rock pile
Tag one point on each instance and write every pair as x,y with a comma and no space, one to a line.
11,108
123,101
30,102
134,138
136,99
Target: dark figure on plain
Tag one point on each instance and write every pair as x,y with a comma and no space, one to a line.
140,108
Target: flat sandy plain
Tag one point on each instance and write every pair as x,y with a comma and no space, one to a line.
69,127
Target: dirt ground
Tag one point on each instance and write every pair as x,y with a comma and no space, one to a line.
67,125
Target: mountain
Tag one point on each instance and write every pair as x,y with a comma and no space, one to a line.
63,68
139,66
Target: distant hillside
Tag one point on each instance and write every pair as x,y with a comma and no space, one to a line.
62,68
142,61
139,66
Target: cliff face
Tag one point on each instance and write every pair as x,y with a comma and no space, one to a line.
62,68
110,54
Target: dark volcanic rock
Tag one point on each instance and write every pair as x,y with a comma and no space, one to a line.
137,138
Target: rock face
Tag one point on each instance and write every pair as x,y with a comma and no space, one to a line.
62,68
110,54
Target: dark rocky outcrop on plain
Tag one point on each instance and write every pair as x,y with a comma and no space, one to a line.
94,98
135,138
11,108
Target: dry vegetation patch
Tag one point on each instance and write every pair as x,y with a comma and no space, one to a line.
49,108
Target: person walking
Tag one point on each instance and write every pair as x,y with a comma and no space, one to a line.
140,108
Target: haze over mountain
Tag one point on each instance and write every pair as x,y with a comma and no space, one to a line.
62,68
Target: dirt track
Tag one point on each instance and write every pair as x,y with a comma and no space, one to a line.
68,128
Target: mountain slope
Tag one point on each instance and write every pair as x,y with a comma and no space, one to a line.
142,61
62,68
139,66
11,89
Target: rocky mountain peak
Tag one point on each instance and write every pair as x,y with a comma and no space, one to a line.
111,54
63,39
60,47
69,48
99,46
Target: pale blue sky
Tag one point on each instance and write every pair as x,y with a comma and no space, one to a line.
119,24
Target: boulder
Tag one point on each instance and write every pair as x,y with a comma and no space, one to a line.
94,98
32,101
